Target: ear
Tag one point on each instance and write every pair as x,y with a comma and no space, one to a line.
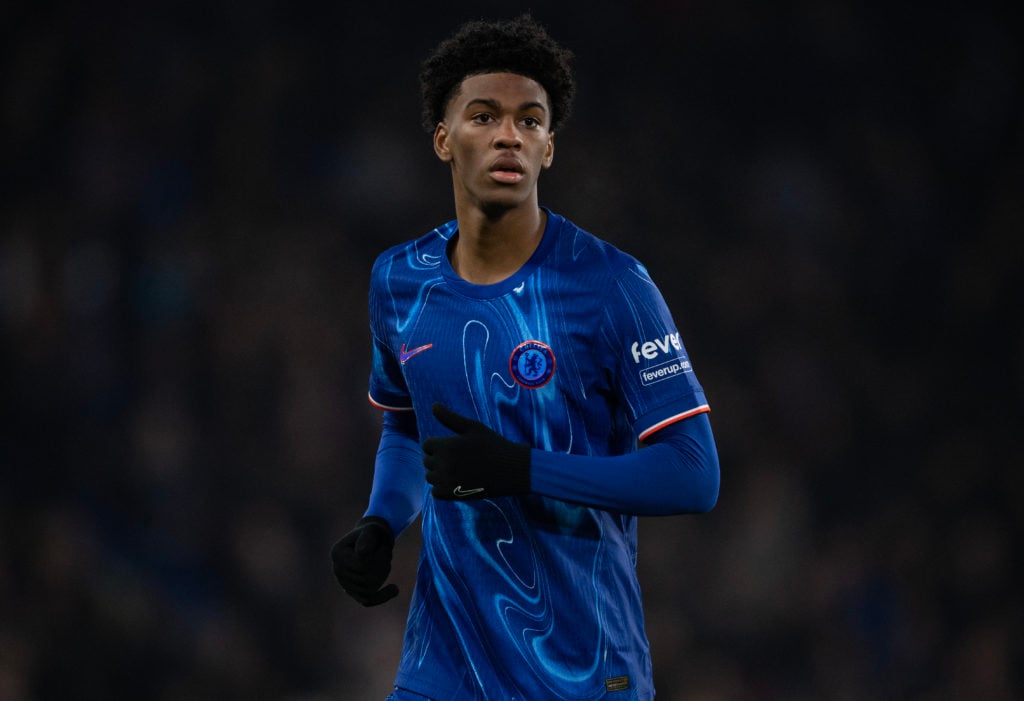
549,152
441,142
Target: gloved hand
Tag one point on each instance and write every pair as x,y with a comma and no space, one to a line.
476,463
362,561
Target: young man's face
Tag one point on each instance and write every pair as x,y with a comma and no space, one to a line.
496,136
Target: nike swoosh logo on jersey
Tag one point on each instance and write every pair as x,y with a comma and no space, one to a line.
460,492
404,355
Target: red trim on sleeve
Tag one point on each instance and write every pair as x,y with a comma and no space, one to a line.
673,419
385,407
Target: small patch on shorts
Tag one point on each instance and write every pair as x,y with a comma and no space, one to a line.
617,683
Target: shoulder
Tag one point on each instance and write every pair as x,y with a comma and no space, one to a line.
415,256
583,249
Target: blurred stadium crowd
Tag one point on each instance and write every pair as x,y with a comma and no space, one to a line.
830,198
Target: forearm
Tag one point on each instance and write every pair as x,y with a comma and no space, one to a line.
398,484
677,473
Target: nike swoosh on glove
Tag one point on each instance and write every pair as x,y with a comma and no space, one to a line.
475,463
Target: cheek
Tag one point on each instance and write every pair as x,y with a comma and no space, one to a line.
460,151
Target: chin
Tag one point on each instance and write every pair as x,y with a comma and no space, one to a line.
500,204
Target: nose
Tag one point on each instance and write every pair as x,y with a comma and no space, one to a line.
508,135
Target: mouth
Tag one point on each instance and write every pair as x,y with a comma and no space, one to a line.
507,170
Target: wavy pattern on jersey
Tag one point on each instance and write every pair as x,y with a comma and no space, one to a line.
475,345
539,640
416,260
554,652
511,558
523,598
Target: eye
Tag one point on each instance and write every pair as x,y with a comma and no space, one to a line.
482,118
531,122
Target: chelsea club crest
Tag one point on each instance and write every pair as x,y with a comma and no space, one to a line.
532,364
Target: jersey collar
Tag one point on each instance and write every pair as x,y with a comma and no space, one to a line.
515,280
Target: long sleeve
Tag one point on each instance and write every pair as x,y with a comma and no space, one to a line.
676,473
398,482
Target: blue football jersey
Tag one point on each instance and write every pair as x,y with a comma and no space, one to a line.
525,598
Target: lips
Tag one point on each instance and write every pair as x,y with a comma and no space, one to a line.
507,169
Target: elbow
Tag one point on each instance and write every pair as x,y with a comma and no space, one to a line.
699,494
708,497
705,495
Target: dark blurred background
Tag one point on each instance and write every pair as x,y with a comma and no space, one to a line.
830,197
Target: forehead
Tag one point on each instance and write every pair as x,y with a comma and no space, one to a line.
508,89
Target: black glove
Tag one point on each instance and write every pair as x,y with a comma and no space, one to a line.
362,561
476,463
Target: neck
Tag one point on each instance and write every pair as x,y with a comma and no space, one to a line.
490,248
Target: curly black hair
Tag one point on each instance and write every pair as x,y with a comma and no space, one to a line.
520,46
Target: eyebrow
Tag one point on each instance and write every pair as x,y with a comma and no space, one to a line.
495,105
